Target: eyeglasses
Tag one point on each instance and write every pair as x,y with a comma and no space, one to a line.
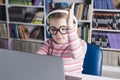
53,30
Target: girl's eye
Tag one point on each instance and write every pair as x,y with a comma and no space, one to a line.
63,29
53,30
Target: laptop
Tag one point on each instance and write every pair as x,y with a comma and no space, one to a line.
15,65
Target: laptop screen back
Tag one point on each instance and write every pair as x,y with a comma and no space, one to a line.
16,65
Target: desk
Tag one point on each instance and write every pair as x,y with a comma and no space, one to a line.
90,77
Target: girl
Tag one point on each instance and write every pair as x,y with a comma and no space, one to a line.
65,41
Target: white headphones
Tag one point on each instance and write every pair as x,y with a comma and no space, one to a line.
61,11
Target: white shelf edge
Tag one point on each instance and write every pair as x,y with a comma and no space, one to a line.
106,10
2,4
105,30
111,49
87,21
111,68
3,21
29,40
3,37
11,5
70,1
26,23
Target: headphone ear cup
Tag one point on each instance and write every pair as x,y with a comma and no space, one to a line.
75,22
47,29
47,32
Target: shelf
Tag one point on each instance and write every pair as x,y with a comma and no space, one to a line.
3,21
111,68
111,49
2,4
84,21
32,6
29,40
70,1
3,37
105,10
27,23
107,30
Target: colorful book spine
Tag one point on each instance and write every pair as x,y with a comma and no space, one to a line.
110,38
36,2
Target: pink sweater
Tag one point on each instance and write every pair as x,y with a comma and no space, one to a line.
73,53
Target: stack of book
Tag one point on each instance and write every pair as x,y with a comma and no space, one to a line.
111,58
106,39
22,32
25,46
103,4
106,20
27,2
38,18
4,43
17,14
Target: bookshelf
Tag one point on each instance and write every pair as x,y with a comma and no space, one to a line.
105,24
16,23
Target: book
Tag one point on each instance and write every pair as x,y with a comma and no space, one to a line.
3,30
49,6
38,18
115,40
85,12
62,4
79,11
33,47
23,32
118,40
29,2
110,39
3,43
118,59
18,2
89,13
17,14
36,2
2,13
14,31
85,32
28,17
37,33
110,4
1,1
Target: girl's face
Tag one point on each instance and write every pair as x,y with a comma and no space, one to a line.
58,27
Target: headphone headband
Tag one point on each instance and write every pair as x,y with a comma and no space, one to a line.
61,11
57,11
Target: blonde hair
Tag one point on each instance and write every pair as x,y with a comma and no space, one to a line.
59,15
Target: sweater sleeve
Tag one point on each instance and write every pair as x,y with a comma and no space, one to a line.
77,45
43,49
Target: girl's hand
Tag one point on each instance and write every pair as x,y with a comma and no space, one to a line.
70,17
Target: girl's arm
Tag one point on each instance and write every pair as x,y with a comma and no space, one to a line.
78,46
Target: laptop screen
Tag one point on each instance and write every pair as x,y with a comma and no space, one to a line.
15,65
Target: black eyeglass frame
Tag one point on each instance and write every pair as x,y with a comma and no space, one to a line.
61,27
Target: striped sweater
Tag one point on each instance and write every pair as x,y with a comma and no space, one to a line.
72,52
